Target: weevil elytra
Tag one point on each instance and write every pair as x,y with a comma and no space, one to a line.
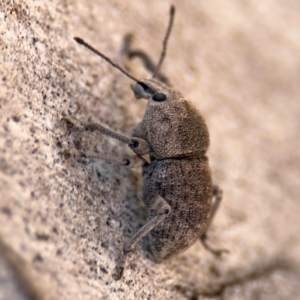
177,184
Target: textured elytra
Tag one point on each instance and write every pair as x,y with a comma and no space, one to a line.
186,186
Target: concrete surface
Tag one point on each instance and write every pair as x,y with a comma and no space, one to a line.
62,225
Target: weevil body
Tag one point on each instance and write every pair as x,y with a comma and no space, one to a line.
177,184
178,172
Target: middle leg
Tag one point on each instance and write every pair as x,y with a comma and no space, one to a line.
162,209
143,56
137,145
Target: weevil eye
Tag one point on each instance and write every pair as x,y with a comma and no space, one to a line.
159,97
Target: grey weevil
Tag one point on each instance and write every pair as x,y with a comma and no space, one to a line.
177,183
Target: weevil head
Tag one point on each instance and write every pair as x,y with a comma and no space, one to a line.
154,91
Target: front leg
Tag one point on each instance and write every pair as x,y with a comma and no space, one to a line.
131,53
130,162
161,210
137,145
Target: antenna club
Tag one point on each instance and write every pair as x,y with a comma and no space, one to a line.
172,10
79,40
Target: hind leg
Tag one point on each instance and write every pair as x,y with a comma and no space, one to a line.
161,209
217,194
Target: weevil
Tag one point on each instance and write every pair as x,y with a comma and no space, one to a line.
177,183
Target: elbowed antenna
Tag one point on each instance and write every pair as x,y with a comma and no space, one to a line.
82,42
165,41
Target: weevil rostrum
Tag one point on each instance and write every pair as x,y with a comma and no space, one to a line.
177,183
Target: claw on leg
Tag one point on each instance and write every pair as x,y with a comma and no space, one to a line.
67,124
215,252
118,273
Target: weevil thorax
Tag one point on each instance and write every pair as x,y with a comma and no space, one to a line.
171,124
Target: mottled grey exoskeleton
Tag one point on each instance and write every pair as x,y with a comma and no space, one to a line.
177,184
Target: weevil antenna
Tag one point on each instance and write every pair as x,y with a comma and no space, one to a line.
82,42
165,41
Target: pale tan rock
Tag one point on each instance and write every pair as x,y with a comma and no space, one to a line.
64,225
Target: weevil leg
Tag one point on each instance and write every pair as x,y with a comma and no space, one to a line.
160,209
217,194
137,145
130,162
131,53
127,51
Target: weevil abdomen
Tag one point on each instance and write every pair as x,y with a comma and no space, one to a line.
186,186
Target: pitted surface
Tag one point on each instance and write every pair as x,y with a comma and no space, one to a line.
65,224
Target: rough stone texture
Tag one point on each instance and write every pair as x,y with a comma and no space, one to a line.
62,225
